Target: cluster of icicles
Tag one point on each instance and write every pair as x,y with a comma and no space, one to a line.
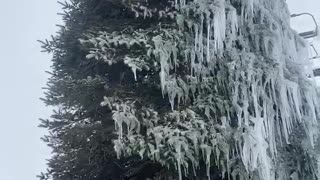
279,96
270,93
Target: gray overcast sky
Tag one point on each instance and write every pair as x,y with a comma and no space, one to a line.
22,154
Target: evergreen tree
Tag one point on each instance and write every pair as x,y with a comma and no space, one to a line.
188,89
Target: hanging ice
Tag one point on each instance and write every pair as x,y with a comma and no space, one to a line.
271,99
245,81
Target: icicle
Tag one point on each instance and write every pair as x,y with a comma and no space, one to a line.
254,153
194,51
250,6
233,19
219,26
201,46
163,76
285,112
208,39
118,146
196,37
175,56
247,8
192,57
134,70
207,151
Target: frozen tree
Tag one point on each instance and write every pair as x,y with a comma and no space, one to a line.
181,89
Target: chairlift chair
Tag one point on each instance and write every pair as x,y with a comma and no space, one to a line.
311,34
308,34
